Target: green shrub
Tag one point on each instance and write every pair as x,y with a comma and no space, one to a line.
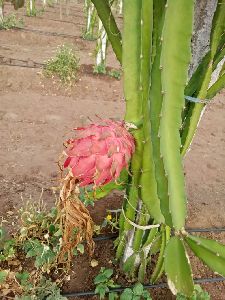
10,22
64,65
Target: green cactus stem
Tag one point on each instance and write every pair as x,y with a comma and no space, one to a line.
175,58
132,92
155,113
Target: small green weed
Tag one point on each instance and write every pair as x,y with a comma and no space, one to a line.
112,220
37,243
28,287
99,69
136,293
115,73
65,65
10,22
199,294
104,282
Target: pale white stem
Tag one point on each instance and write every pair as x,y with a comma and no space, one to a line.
1,12
120,7
67,7
89,17
216,72
31,6
101,45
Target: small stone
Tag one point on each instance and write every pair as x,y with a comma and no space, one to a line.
94,263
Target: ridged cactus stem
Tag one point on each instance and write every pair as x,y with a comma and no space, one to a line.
148,190
147,181
175,59
156,99
132,92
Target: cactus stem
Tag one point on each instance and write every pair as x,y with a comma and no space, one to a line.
163,92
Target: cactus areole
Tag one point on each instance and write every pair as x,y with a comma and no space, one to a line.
99,153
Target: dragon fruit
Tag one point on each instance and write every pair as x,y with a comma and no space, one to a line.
99,153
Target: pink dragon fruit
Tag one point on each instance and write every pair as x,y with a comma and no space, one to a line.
99,152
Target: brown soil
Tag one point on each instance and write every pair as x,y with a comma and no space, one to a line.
37,115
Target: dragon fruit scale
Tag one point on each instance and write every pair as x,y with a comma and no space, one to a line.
98,153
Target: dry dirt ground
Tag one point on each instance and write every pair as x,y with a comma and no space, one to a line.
37,115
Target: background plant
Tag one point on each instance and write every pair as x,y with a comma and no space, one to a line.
10,21
64,65
37,243
104,283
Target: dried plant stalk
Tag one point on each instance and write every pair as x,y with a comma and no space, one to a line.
75,219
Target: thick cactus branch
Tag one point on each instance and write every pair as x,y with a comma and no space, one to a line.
174,63
132,92
108,21
155,112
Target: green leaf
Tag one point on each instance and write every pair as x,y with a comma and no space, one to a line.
31,253
23,277
2,233
108,272
58,233
51,228
216,87
101,289
138,289
107,188
113,296
212,253
3,275
127,294
129,264
199,294
80,248
177,268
